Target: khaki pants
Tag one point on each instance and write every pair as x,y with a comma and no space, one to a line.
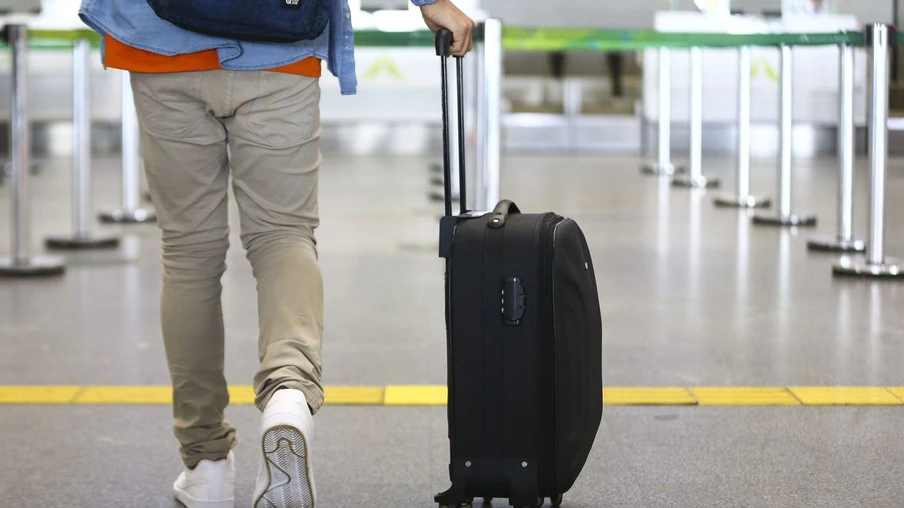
270,123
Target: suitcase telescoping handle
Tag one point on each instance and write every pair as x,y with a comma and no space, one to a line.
444,50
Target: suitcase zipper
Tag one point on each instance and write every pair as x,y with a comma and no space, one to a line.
547,469
555,444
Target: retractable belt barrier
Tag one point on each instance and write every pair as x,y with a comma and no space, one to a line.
878,38
492,38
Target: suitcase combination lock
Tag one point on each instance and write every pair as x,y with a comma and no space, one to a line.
512,301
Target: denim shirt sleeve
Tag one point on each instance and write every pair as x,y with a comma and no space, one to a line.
423,2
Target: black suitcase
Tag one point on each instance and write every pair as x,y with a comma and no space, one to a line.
524,342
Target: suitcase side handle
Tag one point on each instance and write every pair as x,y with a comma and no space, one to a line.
501,213
443,42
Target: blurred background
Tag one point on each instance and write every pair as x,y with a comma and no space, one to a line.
583,100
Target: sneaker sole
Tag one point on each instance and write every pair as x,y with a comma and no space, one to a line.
289,483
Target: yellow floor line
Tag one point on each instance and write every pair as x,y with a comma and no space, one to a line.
122,395
845,396
355,395
897,391
617,396
424,395
241,395
38,394
744,396
436,395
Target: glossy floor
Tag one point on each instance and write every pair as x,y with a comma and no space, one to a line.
692,296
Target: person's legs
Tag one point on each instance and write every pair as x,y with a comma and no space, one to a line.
274,141
184,151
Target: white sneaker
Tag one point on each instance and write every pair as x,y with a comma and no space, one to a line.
285,478
211,484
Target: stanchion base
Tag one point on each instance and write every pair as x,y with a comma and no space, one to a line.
138,216
701,182
742,202
657,169
36,266
81,242
836,244
436,174
785,220
860,267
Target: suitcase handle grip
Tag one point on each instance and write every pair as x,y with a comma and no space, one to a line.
501,213
443,42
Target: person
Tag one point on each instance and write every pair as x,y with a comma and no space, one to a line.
210,107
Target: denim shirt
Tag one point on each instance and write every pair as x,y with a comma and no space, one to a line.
134,23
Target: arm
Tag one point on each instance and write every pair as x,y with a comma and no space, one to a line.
444,14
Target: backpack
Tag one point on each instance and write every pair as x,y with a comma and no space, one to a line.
249,20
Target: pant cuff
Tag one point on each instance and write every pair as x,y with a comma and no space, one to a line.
313,393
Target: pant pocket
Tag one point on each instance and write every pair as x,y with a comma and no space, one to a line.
168,104
286,111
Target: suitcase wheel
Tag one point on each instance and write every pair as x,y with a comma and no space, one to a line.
557,502
487,500
466,504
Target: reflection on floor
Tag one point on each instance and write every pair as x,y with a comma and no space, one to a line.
692,296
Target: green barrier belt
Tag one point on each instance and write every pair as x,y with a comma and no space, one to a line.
363,38
548,39
61,39
377,38
40,38
539,39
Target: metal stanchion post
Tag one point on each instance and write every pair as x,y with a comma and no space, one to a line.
471,122
82,237
130,213
663,166
21,262
492,84
785,216
480,129
875,263
844,241
695,178
743,199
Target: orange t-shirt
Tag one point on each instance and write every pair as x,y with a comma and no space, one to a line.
122,56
